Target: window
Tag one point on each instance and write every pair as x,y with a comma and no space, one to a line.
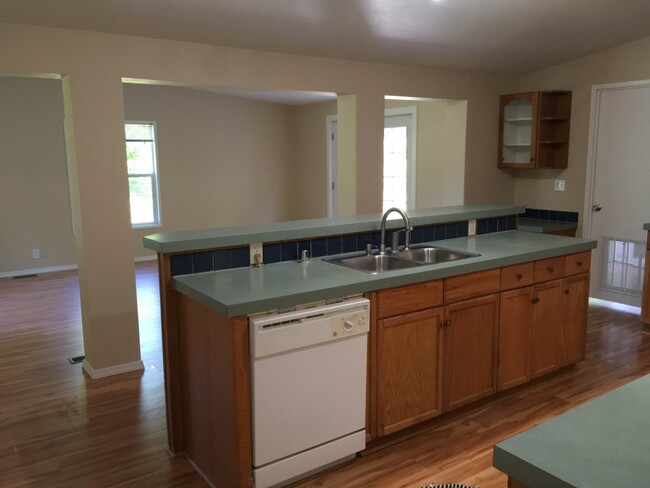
143,177
399,158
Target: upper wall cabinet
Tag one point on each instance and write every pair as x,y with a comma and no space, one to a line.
534,129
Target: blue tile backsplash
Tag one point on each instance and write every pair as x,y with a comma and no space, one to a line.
275,252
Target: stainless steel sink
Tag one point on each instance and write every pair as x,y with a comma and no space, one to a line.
433,255
410,258
373,263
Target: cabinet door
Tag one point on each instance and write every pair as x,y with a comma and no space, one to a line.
517,130
408,379
574,319
469,336
515,317
545,333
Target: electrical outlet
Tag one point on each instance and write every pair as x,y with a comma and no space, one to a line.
256,249
471,230
560,185
36,253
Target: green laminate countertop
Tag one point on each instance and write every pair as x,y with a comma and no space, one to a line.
604,443
193,240
646,226
242,291
544,226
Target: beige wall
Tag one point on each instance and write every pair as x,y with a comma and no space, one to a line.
623,63
34,196
309,136
212,150
222,160
440,152
93,66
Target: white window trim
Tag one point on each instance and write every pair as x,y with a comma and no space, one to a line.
155,184
412,162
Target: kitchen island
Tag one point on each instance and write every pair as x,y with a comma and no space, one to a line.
600,444
441,307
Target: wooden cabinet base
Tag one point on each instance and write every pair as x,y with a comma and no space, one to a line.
513,483
216,402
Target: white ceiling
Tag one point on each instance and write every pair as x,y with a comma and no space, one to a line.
517,36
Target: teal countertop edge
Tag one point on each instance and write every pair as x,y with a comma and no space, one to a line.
194,240
544,226
243,291
646,226
602,443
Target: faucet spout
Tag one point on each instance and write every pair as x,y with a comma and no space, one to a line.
407,226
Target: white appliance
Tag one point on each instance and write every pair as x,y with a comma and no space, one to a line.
308,389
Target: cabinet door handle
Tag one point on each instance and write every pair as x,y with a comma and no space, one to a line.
445,323
550,269
566,292
535,300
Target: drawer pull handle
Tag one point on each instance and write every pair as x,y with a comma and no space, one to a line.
535,300
579,263
519,276
550,269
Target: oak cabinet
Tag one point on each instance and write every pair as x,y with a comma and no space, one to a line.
529,333
543,327
446,343
534,129
546,326
468,347
515,321
575,305
408,376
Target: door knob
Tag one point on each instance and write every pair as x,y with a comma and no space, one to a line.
597,208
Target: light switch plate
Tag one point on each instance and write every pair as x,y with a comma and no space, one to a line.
560,185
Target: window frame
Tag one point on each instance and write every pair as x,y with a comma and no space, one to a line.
155,189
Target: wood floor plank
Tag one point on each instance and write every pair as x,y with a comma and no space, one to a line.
58,428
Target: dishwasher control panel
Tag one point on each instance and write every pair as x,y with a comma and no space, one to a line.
347,325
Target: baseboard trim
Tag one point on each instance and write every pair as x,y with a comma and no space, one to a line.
111,370
65,267
50,269
146,258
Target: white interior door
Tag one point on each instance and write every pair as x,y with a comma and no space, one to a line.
400,126
619,201
332,165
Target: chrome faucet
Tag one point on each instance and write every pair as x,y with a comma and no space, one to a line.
407,229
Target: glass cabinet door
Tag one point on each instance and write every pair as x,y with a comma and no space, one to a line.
518,130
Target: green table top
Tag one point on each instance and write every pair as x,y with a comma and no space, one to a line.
242,291
604,443
192,240
544,226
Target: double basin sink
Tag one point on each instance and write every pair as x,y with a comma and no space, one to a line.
407,258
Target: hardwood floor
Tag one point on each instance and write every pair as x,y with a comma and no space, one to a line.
58,428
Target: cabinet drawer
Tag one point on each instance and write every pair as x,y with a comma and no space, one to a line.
472,285
409,298
549,269
517,276
577,263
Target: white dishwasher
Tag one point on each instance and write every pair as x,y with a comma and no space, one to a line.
308,389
